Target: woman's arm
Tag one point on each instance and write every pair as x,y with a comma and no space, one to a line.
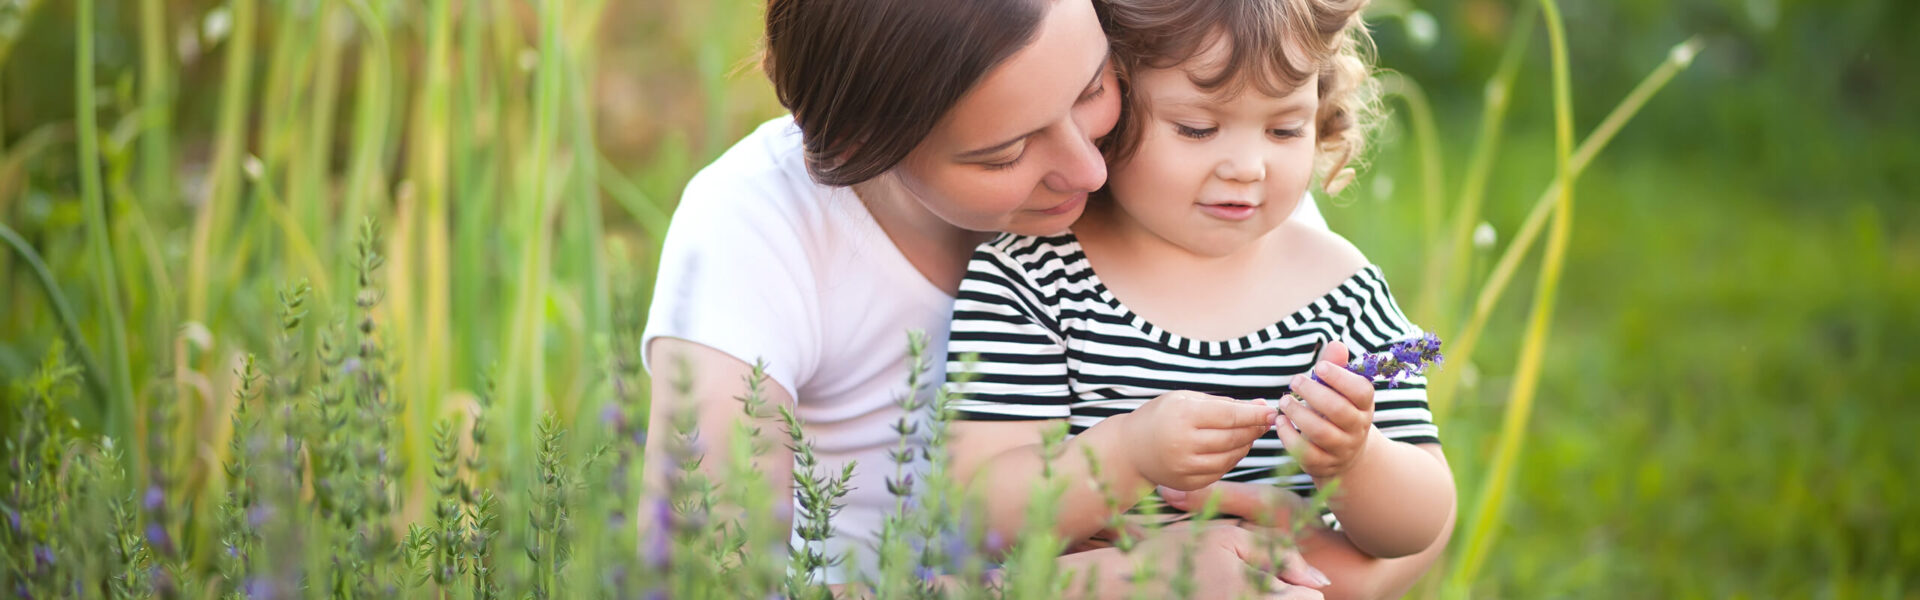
1000,462
716,381
1356,575
1181,439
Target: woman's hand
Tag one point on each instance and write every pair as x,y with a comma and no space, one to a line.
1356,574
1185,440
1328,429
1222,555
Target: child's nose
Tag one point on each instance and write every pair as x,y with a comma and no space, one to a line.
1243,165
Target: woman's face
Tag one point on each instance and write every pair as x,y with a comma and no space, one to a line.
1016,153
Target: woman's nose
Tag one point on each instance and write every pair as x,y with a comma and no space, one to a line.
1082,168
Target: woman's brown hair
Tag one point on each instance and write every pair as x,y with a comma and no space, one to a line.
867,80
1272,45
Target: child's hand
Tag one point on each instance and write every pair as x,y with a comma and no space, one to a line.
1328,432
1186,440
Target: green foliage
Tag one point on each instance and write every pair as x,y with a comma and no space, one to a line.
223,381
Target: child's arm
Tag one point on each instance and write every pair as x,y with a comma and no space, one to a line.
1183,440
1393,498
1017,383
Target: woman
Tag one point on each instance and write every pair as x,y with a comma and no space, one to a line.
918,129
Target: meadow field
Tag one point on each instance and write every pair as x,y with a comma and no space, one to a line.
341,298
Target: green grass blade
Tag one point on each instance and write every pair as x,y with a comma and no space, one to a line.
1464,343
156,106
106,275
1492,498
97,378
1446,270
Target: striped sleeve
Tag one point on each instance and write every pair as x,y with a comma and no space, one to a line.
1018,360
1376,323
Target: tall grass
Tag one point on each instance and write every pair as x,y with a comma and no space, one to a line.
469,129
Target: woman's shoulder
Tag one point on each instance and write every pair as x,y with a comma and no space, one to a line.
767,166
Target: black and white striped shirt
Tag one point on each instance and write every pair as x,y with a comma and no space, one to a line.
1051,342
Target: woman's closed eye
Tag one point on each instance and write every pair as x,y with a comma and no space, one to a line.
1005,164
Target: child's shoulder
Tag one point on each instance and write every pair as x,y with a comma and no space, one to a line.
1029,249
1032,257
1318,249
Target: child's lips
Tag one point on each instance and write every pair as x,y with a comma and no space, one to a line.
1230,210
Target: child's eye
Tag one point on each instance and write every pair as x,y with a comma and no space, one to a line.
1194,132
1286,134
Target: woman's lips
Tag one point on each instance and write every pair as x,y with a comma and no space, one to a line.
1073,203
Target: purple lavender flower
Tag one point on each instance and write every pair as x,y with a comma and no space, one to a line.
1408,352
43,556
660,539
258,515
154,498
1400,362
158,539
995,541
613,417
1370,367
926,574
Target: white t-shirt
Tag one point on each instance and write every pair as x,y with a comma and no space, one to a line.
763,263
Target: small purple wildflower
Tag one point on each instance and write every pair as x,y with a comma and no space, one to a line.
996,542
43,556
154,498
1407,353
258,515
13,520
1400,362
613,416
926,574
158,539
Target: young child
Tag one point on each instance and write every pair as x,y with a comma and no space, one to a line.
1189,290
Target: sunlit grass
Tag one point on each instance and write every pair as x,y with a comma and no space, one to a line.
472,136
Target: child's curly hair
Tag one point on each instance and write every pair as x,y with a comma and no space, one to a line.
1274,45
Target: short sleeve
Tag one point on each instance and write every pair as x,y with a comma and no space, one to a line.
734,276
1401,411
1019,367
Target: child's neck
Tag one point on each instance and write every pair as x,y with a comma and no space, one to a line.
1122,239
1197,296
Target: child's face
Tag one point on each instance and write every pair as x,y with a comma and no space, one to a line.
1213,174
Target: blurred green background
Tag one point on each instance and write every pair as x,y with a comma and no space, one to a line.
1725,393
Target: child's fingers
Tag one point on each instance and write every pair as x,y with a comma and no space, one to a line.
1315,426
1224,413
1357,389
1339,409
1222,440
1297,445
